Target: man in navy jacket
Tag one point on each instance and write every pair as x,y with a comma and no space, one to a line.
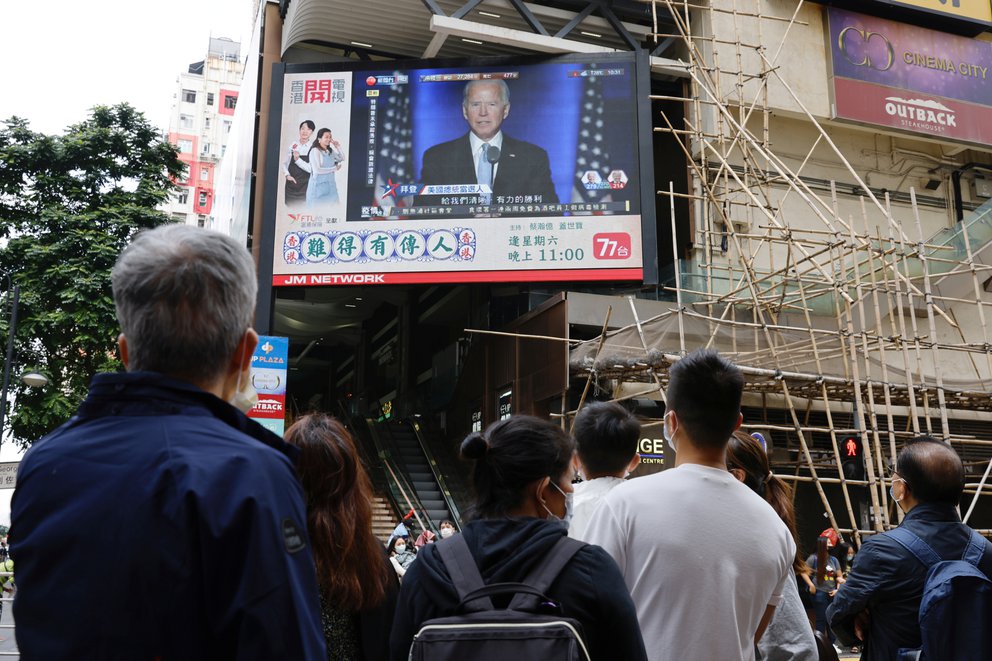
160,522
880,601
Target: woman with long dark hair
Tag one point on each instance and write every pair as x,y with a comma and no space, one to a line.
829,577
789,635
522,476
324,159
357,583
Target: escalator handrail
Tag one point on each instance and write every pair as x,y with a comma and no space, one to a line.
438,476
385,453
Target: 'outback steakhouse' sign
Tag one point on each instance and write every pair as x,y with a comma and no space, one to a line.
910,78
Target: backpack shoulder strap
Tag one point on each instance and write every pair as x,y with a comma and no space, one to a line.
464,573
915,545
975,550
544,574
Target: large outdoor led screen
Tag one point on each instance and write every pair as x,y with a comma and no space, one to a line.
489,171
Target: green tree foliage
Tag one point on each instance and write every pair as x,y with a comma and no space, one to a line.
68,205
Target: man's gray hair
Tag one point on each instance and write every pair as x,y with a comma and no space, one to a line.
184,298
504,90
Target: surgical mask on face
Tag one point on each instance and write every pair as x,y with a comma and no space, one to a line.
400,548
447,532
245,396
892,490
670,438
567,519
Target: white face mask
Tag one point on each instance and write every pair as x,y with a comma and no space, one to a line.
668,436
567,519
447,532
400,548
245,396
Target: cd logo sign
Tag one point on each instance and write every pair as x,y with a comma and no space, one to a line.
265,381
859,46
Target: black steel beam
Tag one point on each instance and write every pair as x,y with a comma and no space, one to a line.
572,24
662,47
529,17
612,19
433,7
466,8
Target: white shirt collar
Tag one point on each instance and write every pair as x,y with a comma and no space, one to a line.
477,142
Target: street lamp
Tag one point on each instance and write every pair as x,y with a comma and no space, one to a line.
34,379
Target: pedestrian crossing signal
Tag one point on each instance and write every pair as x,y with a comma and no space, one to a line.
851,459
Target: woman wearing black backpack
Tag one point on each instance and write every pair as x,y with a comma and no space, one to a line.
522,479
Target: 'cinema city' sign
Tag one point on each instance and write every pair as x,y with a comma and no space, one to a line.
910,78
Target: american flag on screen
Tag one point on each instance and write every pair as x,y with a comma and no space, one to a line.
394,155
592,154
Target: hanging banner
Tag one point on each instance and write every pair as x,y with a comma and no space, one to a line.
910,78
269,370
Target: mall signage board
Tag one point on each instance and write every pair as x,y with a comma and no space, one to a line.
386,176
269,371
907,77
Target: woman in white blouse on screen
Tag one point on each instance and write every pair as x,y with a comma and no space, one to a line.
325,158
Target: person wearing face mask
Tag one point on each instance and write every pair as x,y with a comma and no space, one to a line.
200,518
447,529
606,437
522,479
789,636
685,538
401,555
880,602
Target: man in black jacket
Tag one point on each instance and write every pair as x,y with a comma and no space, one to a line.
487,156
880,601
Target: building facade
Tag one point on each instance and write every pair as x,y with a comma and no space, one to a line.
200,126
822,182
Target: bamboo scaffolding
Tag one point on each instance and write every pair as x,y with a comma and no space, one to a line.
840,313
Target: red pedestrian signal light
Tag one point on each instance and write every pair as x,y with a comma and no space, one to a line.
853,463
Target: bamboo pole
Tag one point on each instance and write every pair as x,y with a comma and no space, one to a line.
599,349
812,467
928,299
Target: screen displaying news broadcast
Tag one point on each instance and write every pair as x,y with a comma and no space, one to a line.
478,172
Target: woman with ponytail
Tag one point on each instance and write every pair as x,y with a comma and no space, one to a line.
789,635
522,475
357,584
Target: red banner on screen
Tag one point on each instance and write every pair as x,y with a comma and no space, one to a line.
560,275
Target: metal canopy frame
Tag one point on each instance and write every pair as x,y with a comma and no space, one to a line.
599,6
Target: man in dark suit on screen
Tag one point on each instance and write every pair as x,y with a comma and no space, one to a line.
487,156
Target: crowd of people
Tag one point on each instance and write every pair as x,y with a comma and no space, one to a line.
221,540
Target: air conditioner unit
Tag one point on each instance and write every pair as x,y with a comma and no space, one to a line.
982,187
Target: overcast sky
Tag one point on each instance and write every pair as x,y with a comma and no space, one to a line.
62,57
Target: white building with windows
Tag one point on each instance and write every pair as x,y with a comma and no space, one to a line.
202,115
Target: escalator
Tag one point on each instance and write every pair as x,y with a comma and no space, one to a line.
414,481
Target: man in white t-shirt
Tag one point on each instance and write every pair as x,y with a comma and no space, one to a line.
705,558
606,436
